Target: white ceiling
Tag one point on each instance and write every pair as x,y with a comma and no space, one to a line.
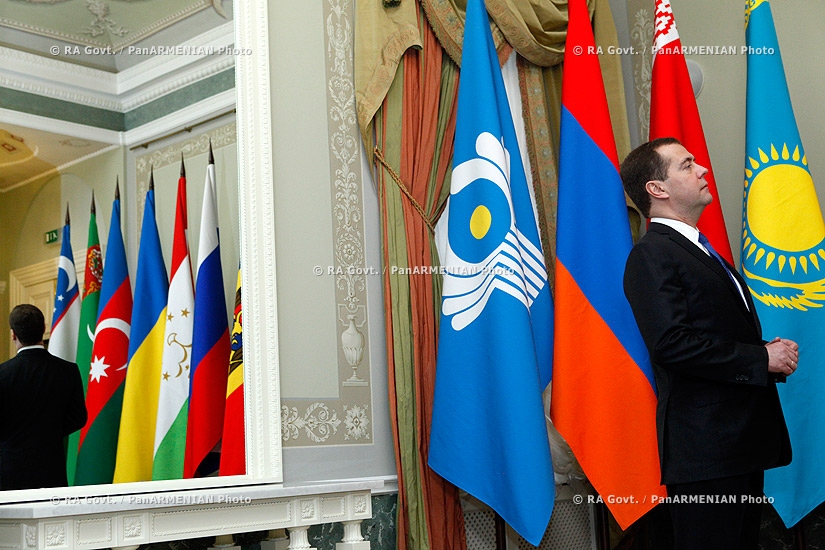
26,153
97,76
105,34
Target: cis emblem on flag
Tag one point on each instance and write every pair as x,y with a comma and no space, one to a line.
484,239
782,262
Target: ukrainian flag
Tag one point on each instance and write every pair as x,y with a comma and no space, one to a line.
783,261
136,441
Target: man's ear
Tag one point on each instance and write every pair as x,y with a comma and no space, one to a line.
656,190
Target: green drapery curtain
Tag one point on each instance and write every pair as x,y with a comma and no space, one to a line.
414,131
407,61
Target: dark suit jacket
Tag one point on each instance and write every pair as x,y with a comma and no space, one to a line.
718,411
41,402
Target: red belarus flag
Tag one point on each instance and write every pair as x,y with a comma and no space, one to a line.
673,112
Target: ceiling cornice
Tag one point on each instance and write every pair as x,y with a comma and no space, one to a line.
110,40
73,129
124,91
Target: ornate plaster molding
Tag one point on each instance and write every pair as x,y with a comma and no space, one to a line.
348,419
641,33
257,222
124,91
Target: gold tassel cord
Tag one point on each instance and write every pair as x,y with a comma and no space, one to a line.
397,179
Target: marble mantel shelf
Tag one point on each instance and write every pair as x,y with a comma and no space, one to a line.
70,522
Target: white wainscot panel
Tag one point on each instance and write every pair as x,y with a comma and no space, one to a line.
129,520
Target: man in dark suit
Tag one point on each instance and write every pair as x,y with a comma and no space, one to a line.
718,419
41,402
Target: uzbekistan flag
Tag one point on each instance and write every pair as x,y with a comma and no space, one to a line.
107,372
489,434
783,261
173,398
233,451
673,113
88,321
136,441
604,398
66,314
210,346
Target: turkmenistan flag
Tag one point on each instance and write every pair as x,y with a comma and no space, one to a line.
107,370
88,322
173,398
136,440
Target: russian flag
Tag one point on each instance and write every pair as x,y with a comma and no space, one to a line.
603,396
210,341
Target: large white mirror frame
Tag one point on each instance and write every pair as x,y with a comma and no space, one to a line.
140,513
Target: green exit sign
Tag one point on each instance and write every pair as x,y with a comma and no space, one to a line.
52,236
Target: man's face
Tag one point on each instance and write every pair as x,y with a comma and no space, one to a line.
685,182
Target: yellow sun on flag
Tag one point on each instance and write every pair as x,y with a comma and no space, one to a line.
783,234
793,233
480,221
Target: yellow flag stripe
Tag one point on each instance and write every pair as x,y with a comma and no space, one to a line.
235,380
136,440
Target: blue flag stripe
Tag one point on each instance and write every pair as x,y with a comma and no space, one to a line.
605,294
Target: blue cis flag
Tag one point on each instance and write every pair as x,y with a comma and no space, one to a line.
783,260
488,432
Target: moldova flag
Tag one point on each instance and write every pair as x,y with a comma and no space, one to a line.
783,261
233,450
210,344
110,351
489,434
136,441
604,397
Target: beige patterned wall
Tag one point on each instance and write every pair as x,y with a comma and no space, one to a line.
640,21
347,417
165,161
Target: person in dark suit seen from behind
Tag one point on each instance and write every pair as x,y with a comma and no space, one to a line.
719,421
41,402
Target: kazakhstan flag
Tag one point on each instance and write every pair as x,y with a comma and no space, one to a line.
783,261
